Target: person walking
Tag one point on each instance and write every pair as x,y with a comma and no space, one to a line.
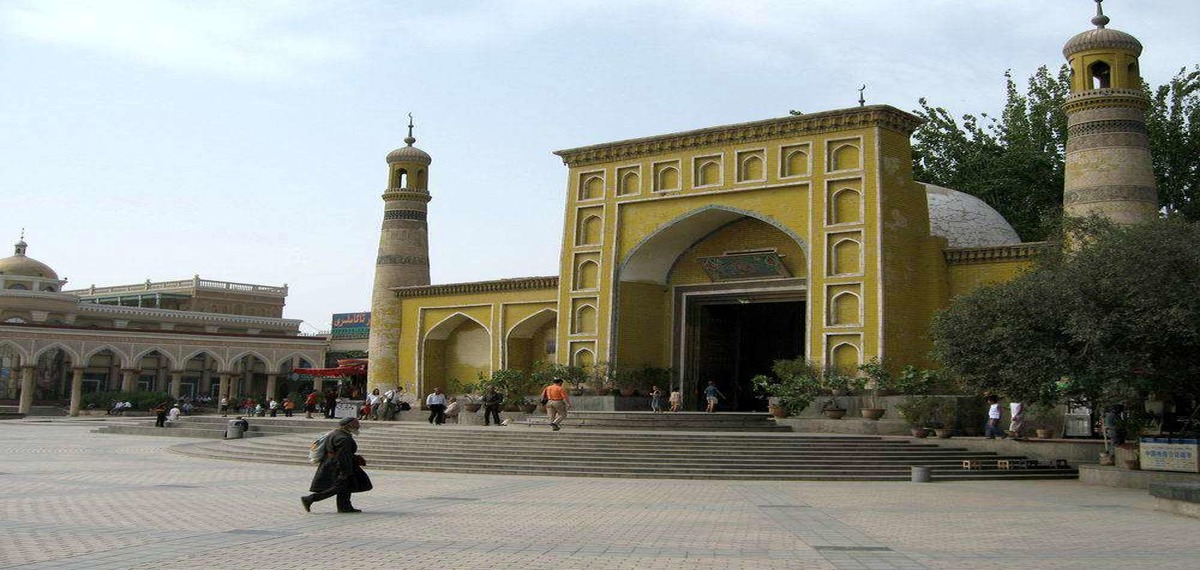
1016,419
160,414
289,406
310,404
273,406
340,472
712,395
436,402
330,405
557,401
676,400
656,400
491,406
993,422
223,406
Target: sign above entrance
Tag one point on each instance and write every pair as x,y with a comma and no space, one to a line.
749,265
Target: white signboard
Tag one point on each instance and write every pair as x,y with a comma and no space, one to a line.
1165,454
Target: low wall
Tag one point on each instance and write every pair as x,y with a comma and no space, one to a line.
1107,476
1075,451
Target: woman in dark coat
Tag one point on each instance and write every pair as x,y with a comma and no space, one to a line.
340,472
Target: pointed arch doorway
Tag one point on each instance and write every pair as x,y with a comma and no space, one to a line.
731,337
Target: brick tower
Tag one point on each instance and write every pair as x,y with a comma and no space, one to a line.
1108,166
403,257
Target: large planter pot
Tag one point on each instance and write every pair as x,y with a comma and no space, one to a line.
779,411
834,413
944,433
1106,459
1045,433
872,413
472,407
920,432
1126,456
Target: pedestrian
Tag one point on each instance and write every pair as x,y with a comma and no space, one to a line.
289,406
436,402
173,414
340,472
993,419
273,406
1016,419
676,400
310,404
452,410
712,395
557,401
491,406
373,400
330,405
160,414
656,400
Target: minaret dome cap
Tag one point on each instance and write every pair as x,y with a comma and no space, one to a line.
409,153
1101,38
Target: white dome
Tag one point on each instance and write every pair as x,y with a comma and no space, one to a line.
966,221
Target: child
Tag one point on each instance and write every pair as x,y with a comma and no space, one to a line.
676,400
656,400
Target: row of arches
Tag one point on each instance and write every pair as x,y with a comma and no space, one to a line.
459,347
795,161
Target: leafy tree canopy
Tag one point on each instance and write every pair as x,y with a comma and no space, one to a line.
1014,161
1114,315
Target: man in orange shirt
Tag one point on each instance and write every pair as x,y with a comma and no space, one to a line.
557,401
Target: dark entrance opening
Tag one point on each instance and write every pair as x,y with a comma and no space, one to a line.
731,341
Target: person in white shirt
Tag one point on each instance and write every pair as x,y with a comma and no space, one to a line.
1016,423
374,400
436,402
993,422
173,414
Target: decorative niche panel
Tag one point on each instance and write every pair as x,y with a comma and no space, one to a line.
667,176
844,154
707,171
629,181
589,229
844,254
844,202
795,160
752,165
591,185
844,305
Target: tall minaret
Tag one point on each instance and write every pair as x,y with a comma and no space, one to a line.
1108,167
403,259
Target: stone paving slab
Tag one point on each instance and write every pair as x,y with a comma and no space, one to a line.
81,500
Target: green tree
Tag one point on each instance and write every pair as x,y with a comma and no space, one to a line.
1173,123
1014,161
1115,315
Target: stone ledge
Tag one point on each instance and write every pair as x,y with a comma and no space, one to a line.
1131,478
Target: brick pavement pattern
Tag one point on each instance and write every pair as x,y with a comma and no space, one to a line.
75,499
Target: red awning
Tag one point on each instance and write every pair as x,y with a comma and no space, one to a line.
339,371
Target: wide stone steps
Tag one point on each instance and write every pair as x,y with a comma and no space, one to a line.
650,454
679,421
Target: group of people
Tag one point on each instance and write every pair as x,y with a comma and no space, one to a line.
383,406
995,428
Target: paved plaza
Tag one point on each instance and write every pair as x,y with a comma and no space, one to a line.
75,499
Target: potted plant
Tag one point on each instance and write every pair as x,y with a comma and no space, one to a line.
942,411
832,409
794,386
918,411
1046,420
875,377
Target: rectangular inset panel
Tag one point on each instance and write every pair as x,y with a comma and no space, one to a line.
708,171
844,254
589,226
585,272
843,154
844,202
629,180
844,305
795,161
667,176
751,165
591,185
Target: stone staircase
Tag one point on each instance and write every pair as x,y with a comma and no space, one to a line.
680,421
213,427
514,450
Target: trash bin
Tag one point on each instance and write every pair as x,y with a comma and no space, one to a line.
234,430
920,474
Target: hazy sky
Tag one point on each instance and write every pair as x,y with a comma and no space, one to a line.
245,140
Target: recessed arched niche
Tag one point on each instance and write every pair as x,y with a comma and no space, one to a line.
795,161
590,230
587,275
844,309
846,257
846,207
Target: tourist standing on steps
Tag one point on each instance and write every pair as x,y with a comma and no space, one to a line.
491,406
712,395
557,402
160,414
223,406
340,472
436,402
993,422
656,400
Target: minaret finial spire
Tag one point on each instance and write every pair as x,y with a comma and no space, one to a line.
20,246
861,100
409,139
1100,20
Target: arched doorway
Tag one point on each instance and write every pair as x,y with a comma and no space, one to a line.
718,294
455,352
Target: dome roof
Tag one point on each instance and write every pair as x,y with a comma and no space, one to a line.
409,153
1102,38
24,266
966,221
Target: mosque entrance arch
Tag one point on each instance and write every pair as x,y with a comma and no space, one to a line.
718,294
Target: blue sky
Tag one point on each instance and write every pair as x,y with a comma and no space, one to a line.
245,141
